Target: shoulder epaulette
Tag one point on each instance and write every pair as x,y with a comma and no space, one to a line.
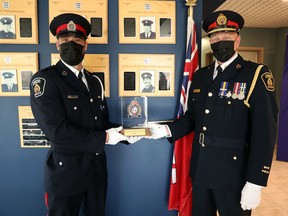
47,68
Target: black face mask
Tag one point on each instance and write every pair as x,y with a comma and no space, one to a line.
72,53
223,50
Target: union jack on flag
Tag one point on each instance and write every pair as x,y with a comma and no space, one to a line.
180,197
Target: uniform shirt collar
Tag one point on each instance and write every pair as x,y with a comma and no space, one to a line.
74,70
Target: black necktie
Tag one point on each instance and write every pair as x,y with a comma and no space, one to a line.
80,75
219,70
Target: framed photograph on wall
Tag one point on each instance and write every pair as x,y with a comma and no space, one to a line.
18,22
146,74
31,136
98,64
152,22
16,70
95,11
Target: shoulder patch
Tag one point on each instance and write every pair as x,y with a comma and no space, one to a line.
38,85
268,81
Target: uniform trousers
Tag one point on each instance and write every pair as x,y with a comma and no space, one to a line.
206,202
92,202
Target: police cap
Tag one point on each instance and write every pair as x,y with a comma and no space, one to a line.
70,23
147,22
146,75
223,21
6,20
7,75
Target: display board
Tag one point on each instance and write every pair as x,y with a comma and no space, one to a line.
16,70
146,74
18,22
95,11
152,22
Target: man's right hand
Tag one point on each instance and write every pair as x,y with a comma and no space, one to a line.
113,136
158,131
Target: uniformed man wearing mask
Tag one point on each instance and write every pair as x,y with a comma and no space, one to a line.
68,104
233,113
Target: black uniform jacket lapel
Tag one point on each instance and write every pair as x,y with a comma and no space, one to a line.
69,77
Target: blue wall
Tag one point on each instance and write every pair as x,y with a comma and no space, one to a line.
138,174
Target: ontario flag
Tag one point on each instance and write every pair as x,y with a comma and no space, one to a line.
180,197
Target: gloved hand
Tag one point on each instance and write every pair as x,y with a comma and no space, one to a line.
250,196
133,139
158,131
114,136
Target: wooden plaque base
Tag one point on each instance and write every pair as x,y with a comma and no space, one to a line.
135,132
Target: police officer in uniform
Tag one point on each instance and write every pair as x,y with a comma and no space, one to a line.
233,113
147,34
147,79
9,85
6,33
69,106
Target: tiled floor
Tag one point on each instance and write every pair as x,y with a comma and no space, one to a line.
274,200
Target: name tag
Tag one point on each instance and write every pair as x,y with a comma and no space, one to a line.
196,90
72,96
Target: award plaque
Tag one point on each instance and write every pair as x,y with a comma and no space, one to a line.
134,116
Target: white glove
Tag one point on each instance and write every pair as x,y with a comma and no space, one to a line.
114,136
133,139
158,131
250,196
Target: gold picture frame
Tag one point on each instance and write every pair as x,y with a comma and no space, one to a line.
18,22
31,136
16,70
94,63
95,11
146,74
147,22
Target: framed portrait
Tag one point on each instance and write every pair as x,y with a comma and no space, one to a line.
31,136
98,64
95,11
146,74
152,22
16,70
18,22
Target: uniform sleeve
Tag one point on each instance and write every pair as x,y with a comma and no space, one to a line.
263,127
50,114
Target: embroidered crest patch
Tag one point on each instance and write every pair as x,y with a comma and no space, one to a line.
268,81
38,85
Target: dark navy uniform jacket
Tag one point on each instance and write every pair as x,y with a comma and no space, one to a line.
74,120
233,143
7,35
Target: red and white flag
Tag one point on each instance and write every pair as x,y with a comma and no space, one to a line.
180,197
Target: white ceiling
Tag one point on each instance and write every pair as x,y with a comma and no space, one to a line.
260,13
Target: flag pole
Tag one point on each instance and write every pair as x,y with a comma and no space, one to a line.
190,4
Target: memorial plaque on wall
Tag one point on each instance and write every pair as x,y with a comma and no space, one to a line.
18,22
146,74
31,136
95,11
16,70
98,64
152,22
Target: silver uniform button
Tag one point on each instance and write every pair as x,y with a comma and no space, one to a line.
207,111
75,108
91,100
60,163
229,102
95,117
204,128
97,154
234,158
210,94
203,145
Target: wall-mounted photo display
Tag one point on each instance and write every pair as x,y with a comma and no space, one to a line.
16,70
31,136
146,74
150,22
18,22
95,11
98,64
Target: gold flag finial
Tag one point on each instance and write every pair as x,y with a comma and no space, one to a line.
190,3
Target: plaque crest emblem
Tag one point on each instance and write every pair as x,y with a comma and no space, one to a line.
134,110
221,19
71,26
